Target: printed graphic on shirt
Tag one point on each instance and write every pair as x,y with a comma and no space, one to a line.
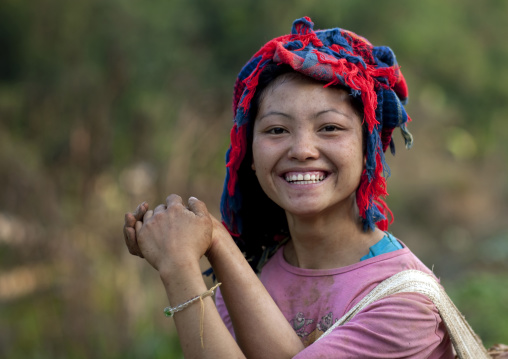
299,322
325,322
304,327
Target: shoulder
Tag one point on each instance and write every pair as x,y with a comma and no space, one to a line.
400,326
388,264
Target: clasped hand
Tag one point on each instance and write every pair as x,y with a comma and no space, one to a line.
171,235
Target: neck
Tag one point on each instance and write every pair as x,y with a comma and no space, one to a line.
328,240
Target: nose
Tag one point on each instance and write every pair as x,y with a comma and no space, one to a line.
303,147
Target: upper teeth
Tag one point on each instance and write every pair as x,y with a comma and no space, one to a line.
305,178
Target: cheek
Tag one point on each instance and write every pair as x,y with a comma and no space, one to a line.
261,162
352,159
358,150
259,154
255,154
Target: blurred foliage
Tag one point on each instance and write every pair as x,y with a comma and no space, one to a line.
473,294
105,103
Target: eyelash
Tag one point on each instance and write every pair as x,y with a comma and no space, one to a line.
276,131
331,128
281,130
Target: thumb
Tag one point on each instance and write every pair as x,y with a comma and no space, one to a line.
197,207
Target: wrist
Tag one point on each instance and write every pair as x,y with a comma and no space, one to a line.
182,282
183,268
213,252
220,241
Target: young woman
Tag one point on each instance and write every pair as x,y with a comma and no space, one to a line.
314,113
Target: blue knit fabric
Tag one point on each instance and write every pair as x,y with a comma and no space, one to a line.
386,245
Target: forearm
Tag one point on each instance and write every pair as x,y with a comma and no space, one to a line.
172,238
251,307
181,285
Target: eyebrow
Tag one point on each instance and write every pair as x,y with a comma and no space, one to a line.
272,113
277,113
332,110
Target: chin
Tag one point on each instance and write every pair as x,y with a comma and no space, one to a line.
303,210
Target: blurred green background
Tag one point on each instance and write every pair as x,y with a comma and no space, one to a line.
106,103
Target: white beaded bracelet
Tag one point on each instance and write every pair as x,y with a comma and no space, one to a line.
170,311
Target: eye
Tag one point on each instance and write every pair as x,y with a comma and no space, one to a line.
330,128
276,131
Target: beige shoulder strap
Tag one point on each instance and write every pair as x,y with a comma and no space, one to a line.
465,342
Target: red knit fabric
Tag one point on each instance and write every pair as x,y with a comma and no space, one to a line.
236,155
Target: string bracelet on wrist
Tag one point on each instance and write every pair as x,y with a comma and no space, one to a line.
170,311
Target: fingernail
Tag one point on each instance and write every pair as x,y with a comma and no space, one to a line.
193,198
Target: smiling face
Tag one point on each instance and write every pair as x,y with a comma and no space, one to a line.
307,146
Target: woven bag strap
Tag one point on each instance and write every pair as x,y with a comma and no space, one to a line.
466,343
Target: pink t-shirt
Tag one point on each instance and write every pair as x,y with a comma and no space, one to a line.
404,325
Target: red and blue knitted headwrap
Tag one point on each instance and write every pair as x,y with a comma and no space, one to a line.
335,57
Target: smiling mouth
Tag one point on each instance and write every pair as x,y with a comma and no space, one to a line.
304,177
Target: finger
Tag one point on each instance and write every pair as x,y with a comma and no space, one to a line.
130,220
159,208
139,224
140,211
173,199
198,207
147,215
130,241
